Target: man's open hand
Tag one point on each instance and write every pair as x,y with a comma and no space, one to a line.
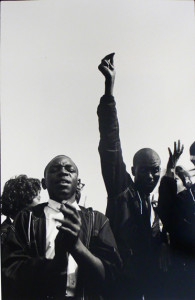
69,230
174,157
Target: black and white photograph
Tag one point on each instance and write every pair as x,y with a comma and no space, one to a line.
97,150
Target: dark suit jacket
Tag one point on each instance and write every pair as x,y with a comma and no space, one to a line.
27,272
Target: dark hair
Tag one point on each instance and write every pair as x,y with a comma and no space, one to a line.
192,149
19,193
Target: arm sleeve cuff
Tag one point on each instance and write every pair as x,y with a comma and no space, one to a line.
107,99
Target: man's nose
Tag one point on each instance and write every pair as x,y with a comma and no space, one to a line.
64,171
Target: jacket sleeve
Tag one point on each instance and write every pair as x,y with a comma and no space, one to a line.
167,200
104,247
23,269
114,171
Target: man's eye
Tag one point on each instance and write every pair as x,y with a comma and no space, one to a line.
71,169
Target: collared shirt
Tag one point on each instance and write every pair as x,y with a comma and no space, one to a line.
51,213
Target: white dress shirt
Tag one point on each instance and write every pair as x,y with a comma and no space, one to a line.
51,213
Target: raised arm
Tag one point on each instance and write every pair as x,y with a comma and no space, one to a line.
114,171
168,186
173,158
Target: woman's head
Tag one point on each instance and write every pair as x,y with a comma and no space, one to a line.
18,193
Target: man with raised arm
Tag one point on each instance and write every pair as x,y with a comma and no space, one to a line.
132,217
60,250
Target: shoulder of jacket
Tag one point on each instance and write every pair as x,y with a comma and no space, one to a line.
36,211
99,218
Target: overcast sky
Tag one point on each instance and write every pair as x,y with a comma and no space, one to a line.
50,84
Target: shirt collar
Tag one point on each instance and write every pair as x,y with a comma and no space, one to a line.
56,205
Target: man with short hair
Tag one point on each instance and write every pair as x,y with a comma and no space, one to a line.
132,217
60,250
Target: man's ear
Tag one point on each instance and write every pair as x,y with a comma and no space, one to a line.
43,184
133,171
80,185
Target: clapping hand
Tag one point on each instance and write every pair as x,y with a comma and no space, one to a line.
68,231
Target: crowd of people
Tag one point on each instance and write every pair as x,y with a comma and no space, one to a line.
139,250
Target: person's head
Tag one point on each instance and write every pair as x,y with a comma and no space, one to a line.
146,169
61,179
192,153
184,176
18,193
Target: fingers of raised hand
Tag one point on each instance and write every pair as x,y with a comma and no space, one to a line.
109,57
175,147
182,148
178,148
111,66
107,63
103,68
170,153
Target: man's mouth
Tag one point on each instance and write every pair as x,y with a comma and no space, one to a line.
63,182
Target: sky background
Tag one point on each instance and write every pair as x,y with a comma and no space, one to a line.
51,86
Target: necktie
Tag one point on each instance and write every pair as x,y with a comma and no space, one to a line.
146,209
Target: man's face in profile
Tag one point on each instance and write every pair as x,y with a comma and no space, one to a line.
61,178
